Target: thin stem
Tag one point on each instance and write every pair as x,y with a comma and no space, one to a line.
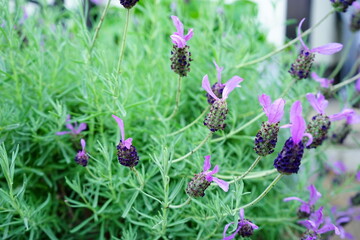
99,26
181,205
122,49
343,58
253,165
139,178
194,150
189,125
344,83
178,94
307,32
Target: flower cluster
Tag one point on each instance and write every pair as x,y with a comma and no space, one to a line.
245,228
82,157
218,87
75,129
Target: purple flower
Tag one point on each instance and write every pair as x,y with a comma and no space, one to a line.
218,87
274,111
202,181
314,223
74,129
357,85
245,227
82,157
339,168
229,87
97,2
342,219
358,176
327,49
348,114
178,37
127,154
306,208
324,82
128,3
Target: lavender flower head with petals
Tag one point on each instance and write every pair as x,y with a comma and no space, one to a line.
197,186
355,17
324,82
245,227
341,5
127,154
302,66
74,129
128,3
266,138
306,208
289,159
181,57
82,157
216,117
218,87
342,219
342,132
313,226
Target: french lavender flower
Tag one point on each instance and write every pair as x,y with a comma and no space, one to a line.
215,119
181,57
197,186
127,154
351,117
342,219
128,3
324,82
82,157
266,138
355,17
74,129
245,227
341,5
313,226
289,159
218,87
308,207
302,66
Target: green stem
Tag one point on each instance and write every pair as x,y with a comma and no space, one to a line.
122,49
189,125
194,150
139,178
99,26
181,205
253,165
344,83
307,32
178,94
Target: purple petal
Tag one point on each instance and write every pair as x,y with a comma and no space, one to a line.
265,102
357,85
207,87
297,129
218,70
342,115
83,144
353,119
339,167
222,184
63,133
189,35
294,198
231,85
178,24
356,5
121,126
207,164
81,128
276,111
232,236
325,83
305,208
242,213
296,110
299,35
214,171
286,125
178,41
314,194
308,224
358,176
317,217
327,228
128,143
253,225
342,220
328,49
317,102
310,138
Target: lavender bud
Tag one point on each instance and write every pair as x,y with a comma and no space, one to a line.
82,158
340,134
289,159
342,5
355,21
302,66
127,156
216,117
246,230
128,3
266,138
197,186
318,127
180,60
218,89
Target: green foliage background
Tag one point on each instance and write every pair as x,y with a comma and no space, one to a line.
46,73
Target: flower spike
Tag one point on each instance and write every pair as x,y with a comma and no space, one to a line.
82,157
245,227
74,129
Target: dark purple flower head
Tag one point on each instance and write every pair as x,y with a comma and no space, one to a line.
341,5
202,181
128,3
324,82
314,223
230,85
307,207
178,37
274,111
245,227
74,129
82,157
127,153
